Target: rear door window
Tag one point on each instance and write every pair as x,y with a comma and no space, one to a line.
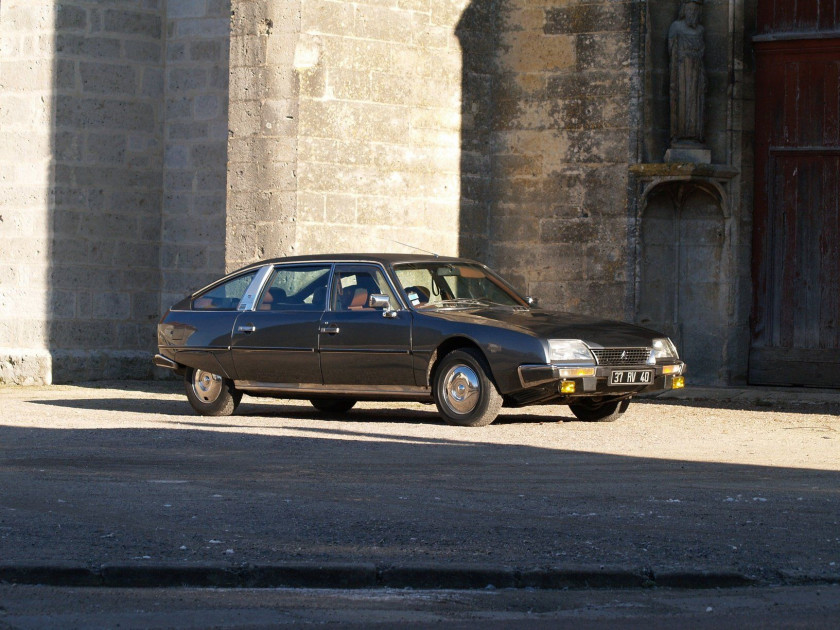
296,288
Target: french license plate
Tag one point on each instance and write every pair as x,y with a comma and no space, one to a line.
631,377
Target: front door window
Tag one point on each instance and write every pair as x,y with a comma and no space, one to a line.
352,289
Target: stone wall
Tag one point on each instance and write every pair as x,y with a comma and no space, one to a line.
707,302
567,107
82,82
262,146
26,93
498,130
195,150
380,103
104,273
345,127
149,145
114,152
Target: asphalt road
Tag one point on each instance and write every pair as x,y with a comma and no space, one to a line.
124,475
48,608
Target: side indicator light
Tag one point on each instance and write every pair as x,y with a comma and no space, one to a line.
678,382
567,387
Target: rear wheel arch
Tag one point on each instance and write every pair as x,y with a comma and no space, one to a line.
210,394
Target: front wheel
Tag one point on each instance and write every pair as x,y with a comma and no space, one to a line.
589,411
463,392
210,394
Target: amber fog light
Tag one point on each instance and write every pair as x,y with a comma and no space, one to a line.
567,387
678,382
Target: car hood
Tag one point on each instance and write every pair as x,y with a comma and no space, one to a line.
556,325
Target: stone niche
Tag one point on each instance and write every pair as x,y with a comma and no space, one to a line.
683,262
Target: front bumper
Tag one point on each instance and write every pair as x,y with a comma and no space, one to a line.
595,379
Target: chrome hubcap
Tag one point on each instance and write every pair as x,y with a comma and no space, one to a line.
461,389
207,386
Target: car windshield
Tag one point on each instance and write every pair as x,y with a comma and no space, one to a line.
454,285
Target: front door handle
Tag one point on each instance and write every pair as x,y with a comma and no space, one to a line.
330,330
247,328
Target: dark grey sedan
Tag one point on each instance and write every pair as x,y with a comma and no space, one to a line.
343,328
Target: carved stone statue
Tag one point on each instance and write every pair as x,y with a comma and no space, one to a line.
688,77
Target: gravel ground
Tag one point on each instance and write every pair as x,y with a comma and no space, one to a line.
124,472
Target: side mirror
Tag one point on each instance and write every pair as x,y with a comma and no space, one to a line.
532,301
379,300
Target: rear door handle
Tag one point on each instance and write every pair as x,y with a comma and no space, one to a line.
330,330
247,328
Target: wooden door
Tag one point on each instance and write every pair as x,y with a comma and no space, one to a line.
796,244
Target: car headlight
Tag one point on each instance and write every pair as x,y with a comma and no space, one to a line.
664,349
568,351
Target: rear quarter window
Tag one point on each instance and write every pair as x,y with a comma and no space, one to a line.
225,296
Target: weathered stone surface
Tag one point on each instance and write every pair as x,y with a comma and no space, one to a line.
195,153
501,130
29,367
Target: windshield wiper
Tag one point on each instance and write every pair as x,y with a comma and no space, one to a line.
471,302
456,302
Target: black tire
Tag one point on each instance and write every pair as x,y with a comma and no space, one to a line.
333,405
590,411
463,391
210,394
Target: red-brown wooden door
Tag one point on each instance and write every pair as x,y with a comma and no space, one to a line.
796,244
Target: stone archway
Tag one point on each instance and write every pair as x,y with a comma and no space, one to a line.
680,275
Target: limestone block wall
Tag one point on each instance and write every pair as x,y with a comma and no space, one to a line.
263,125
379,125
113,184
498,129
345,127
566,114
104,211
26,89
195,133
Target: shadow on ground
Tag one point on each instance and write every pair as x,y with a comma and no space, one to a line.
206,492
759,400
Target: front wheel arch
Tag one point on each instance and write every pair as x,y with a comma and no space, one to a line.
447,346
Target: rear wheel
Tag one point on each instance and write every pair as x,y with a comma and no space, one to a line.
333,405
211,394
591,411
464,394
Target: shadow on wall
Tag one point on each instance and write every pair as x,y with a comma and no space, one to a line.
681,289
105,190
552,101
549,112
477,32
138,179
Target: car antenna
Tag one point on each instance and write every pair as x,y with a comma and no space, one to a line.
419,249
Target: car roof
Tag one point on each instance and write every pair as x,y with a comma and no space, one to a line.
384,258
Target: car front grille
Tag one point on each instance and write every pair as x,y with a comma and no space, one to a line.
622,356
